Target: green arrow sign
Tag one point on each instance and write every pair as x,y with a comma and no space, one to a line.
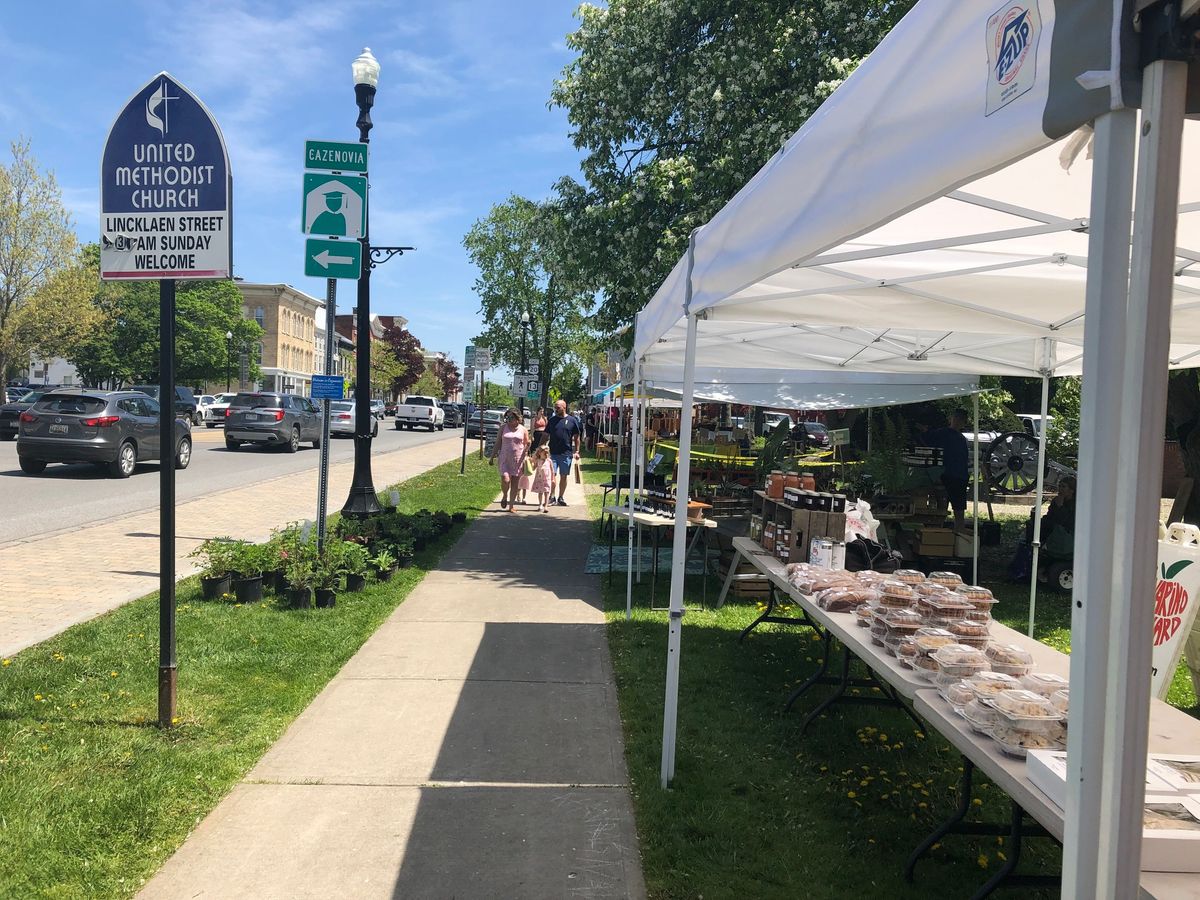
333,156
332,259
334,205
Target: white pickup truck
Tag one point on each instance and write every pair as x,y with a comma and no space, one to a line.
424,412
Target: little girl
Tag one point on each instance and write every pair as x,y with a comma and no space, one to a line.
543,477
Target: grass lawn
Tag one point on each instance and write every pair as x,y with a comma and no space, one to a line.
93,795
759,810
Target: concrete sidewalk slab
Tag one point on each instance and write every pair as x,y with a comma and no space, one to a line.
471,748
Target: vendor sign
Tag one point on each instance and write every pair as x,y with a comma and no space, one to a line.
1174,601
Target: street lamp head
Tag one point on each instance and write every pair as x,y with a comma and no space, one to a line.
525,317
229,335
366,79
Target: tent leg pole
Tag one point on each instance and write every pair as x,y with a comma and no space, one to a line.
1099,471
629,508
679,548
641,464
1037,504
975,488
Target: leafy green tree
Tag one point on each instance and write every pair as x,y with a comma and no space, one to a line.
37,243
675,105
496,396
522,254
1062,438
59,316
428,385
450,378
568,383
408,362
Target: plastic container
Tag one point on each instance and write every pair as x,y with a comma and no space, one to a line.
979,615
1061,700
925,666
1024,710
957,694
981,718
946,579
1043,683
930,639
1009,659
908,576
959,660
974,592
906,652
972,634
864,615
946,606
986,685
1017,742
896,594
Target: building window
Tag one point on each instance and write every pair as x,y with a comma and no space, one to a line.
258,316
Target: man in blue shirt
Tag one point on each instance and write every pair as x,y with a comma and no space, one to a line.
955,469
564,435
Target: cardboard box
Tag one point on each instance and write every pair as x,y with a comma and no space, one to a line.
1171,833
1179,772
1047,771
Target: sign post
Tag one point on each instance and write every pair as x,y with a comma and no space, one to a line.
165,214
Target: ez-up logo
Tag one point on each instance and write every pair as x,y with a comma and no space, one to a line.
1014,44
1170,602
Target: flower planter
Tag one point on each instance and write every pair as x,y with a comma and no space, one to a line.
385,574
298,598
275,581
406,561
213,588
248,590
355,583
459,517
326,598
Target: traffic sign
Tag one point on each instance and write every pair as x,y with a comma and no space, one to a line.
335,156
532,368
469,357
334,205
483,358
328,387
533,396
165,207
332,259
468,392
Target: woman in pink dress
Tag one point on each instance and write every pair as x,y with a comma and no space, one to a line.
543,475
511,445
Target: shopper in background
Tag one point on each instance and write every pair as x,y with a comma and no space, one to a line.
564,435
512,443
955,471
539,428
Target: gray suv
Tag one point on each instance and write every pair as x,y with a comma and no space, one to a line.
112,429
272,419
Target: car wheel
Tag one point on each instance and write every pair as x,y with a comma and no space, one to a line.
399,426
375,430
293,443
126,461
441,427
232,445
183,455
1061,577
32,466
197,418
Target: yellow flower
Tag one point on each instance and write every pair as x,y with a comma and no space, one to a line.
851,794
113,673
1000,856
922,806
37,697
883,738
174,720
977,802
6,662
982,861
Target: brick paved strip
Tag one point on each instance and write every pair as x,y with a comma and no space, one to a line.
50,584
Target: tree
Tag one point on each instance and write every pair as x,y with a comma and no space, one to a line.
675,106
446,372
495,396
37,242
525,266
428,385
405,351
59,316
568,383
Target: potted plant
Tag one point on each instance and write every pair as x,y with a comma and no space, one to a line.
459,517
404,552
300,574
247,565
385,564
327,574
354,561
216,556
441,522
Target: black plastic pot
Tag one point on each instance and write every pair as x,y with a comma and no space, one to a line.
385,574
355,583
213,588
458,517
326,598
406,561
275,581
248,590
298,598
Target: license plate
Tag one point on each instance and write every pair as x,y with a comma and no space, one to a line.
58,429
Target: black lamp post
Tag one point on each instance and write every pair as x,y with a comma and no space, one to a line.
524,360
228,359
362,501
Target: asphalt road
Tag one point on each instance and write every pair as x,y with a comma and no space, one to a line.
70,496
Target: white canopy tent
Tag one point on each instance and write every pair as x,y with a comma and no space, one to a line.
919,207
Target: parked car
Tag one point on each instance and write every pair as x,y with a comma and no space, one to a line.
342,418
112,429
12,394
186,406
423,412
771,419
389,407
10,413
272,419
454,415
813,435
491,422
378,410
215,412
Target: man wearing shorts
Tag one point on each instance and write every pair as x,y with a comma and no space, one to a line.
564,447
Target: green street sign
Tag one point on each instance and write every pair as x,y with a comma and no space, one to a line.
334,156
532,396
332,259
334,205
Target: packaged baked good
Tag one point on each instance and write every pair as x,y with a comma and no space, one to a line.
843,598
973,634
981,718
908,576
986,685
864,614
959,660
929,639
870,577
974,592
1009,659
925,666
926,588
946,606
1017,742
906,652
1044,683
979,615
896,594
906,620
948,579
957,694
878,630
1061,700
1024,710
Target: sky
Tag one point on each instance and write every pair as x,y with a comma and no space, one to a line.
461,120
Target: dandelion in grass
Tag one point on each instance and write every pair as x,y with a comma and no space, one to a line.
982,861
114,673
851,794
38,698
1000,856
977,802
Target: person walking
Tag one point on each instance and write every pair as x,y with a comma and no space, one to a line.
512,443
564,435
540,439
955,468
543,476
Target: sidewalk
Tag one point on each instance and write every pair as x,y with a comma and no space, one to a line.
471,748
57,581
